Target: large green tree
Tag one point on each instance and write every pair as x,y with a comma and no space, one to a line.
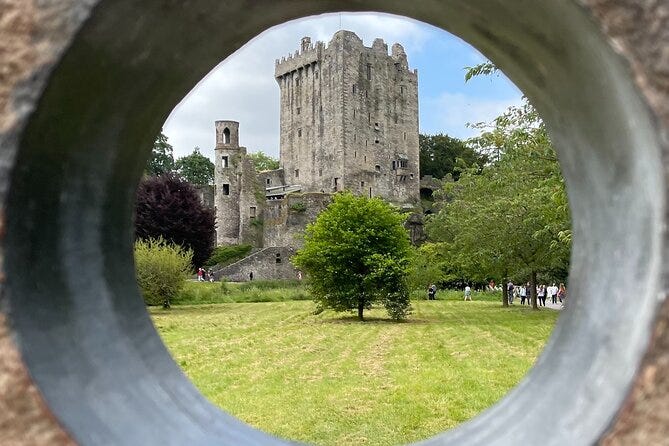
196,168
441,155
261,161
512,218
356,253
162,157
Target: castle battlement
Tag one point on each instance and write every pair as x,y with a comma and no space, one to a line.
306,55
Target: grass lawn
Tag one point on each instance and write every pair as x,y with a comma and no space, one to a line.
328,379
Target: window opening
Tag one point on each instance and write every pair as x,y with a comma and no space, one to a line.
226,136
394,165
402,90
353,88
226,189
224,161
377,168
370,192
268,181
336,183
369,71
376,141
278,257
297,173
320,172
299,133
362,184
252,212
405,136
299,109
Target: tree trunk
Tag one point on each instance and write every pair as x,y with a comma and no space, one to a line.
533,290
361,308
505,294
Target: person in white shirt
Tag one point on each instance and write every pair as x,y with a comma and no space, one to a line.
468,293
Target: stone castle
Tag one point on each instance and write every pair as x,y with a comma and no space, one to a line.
348,120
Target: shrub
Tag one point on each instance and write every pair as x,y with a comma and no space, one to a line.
170,208
162,269
225,255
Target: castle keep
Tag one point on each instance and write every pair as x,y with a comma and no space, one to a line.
348,120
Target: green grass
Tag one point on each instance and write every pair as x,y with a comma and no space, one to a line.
328,379
198,293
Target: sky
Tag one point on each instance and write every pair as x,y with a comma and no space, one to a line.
242,87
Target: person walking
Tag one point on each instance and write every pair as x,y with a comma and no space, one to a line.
523,294
468,293
200,275
432,292
509,291
541,294
552,293
562,293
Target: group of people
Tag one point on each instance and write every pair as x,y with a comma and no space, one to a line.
203,275
553,292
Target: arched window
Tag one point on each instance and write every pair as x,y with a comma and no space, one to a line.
226,136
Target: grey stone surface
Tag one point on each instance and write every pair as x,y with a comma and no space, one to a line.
268,263
349,120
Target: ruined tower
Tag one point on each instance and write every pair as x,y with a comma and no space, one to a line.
235,186
349,119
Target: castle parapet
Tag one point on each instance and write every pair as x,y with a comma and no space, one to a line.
306,55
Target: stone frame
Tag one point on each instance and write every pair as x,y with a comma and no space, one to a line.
89,82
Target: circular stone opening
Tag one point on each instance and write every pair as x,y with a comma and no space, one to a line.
82,327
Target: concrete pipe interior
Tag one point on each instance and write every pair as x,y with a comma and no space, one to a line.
71,295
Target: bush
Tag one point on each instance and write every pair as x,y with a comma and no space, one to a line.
225,255
162,269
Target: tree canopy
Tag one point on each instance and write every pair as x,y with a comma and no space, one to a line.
170,208
511,218
356,253
162,157
196,168
441,155
261,161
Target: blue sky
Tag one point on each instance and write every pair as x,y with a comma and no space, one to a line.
242,88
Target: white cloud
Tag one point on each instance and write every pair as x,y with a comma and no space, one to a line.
450,112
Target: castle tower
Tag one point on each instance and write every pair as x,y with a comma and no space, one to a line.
349,119
227,182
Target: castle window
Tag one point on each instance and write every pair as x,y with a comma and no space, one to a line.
355,154
354,113
370,192
376,141
299,109
252,212
299,132
376,126
297,82
226,136
369,118
316,74
362,184
355,138
369,71
353,88
320,172
405,136
411,176
268,181
278,257
395,118
365,158
297,173
336,183
402,90
226,189
398,67
224,161
403,164
377,168
394,165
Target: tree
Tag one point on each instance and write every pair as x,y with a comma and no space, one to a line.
511,218
263,162
162,269
170,208
196,168
356,253
441,155
162,158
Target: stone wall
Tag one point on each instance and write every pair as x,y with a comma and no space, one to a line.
206,195
266,264
286,219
